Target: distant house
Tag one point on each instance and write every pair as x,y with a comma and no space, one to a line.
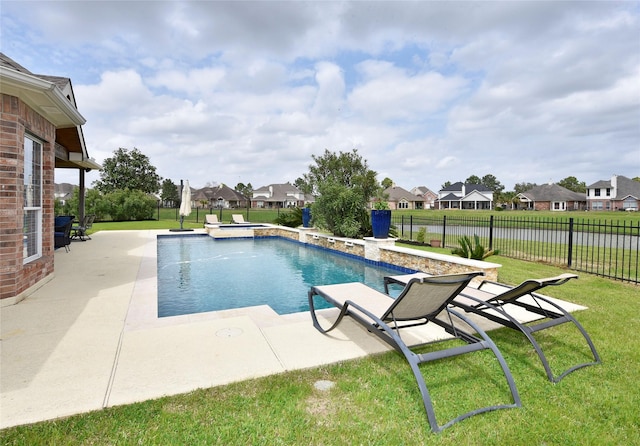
618,193
428,196
219,197
63,191
465,196
551,197
399,198
279,196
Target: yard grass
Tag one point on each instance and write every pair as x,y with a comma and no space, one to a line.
376,401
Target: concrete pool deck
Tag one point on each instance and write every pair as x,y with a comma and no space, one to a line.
90,338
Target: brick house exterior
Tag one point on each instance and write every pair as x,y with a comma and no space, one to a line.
551,197
428,196
617,194
399,198
40,129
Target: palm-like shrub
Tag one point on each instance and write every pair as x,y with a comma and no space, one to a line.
474,250
291,218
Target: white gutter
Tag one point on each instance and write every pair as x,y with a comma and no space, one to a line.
12,81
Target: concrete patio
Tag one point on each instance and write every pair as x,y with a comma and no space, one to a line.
90,338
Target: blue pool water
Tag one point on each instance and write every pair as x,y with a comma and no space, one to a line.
198,273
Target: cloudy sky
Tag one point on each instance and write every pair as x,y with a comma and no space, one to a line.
428,92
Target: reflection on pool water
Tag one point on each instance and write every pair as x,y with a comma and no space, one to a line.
198,273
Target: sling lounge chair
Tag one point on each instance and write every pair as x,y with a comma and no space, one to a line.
501,304
238,219
422,301
211,220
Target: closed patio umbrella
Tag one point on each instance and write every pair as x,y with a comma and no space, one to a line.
185,206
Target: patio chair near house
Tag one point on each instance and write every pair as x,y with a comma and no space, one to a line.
62,232
423,302
79,231
517,308
238,219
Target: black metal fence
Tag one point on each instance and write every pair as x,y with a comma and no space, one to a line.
606,248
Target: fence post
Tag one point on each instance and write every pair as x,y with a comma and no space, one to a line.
410,227
570,243
444,229
490,233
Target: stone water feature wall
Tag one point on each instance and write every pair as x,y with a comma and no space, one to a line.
435,263
384,250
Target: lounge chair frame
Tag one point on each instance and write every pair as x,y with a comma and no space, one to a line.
387,327
492,306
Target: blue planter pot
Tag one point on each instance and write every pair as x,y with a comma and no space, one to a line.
306,217
380,223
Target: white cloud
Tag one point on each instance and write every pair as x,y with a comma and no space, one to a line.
428,92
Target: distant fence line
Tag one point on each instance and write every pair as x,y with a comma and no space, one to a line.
605,248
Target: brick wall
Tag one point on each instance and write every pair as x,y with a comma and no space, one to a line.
542,205
16,119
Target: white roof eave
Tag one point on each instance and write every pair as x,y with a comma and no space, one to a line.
43,96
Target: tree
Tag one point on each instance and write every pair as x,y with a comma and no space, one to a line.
344,185
128,170
346,168
301,184
492,183
523,187
387,183
92,203
246,190
573,184
473,179
445,185
169,194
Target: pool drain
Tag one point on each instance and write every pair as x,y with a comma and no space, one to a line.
229,332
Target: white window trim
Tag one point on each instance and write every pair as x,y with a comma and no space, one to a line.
38,209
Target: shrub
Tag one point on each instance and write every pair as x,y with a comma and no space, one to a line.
472,251
126,205
291,218
422,235
341,210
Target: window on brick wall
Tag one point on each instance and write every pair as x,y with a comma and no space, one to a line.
32,194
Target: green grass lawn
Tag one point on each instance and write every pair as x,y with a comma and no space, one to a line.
375,400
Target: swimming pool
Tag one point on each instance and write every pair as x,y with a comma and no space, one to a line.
198,273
